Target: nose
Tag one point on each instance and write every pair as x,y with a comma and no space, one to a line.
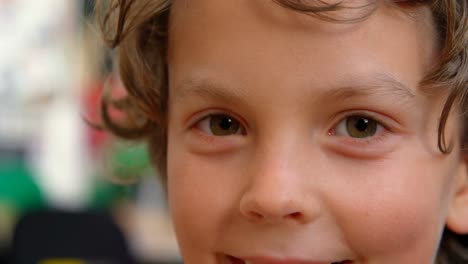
278,192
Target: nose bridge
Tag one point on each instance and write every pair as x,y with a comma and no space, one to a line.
278,182
276,160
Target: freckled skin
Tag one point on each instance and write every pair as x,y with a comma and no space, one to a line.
287,187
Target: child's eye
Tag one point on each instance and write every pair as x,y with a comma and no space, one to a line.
220,125
364,135
357,126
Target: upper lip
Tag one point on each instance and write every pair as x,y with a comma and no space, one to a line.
275,260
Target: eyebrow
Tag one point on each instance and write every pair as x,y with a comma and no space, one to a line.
207,88
381,84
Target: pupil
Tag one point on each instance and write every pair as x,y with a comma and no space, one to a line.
362,124
361,127
225,123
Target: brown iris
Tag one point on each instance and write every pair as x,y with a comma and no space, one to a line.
223,125
361,127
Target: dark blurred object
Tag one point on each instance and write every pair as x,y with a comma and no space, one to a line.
88,8
92,237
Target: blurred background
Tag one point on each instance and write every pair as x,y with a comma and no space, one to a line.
69,193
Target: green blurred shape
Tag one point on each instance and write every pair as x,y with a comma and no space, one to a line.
127,164
107,194
17,186
130,162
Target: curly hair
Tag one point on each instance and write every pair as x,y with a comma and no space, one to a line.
138,30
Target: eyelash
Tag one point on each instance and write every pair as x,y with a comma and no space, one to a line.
383,132
195,124
380,135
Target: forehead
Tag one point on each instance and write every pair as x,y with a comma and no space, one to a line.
261,41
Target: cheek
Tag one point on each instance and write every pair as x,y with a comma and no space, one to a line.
201,195
401,205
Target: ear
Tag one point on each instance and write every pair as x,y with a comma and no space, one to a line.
457,218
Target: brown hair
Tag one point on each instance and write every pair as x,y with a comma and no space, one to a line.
139,29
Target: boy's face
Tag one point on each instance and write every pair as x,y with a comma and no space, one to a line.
298,141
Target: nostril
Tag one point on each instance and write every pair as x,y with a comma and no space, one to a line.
258,216
257,205
296,215
234,260
255,215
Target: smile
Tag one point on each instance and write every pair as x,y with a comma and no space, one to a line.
267,260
